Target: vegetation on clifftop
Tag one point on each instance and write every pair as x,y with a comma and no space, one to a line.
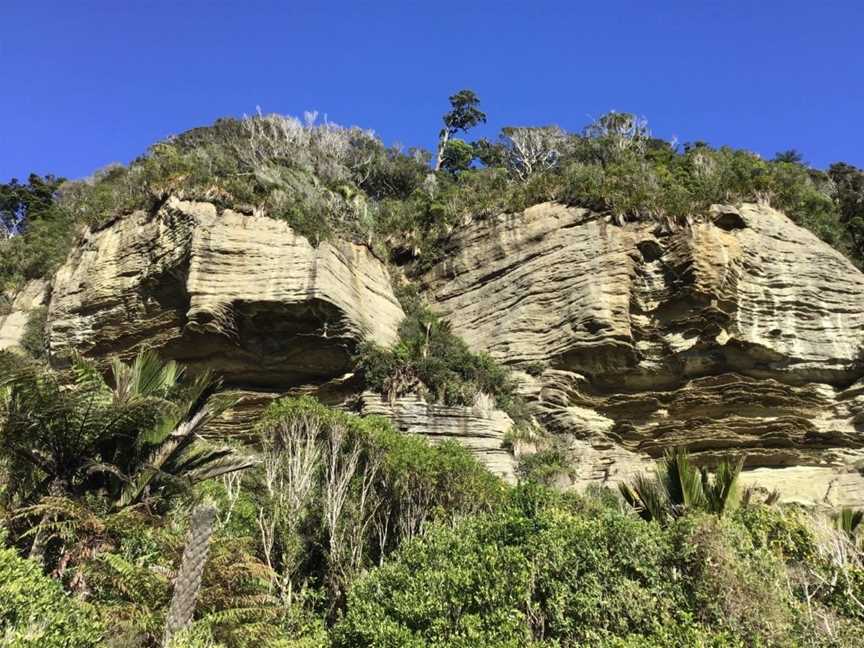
327,180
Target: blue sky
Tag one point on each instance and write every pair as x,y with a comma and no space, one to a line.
88,83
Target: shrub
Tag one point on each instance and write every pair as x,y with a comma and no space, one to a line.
340,492
545,467
782,530
431,360
532,572
34,611
731,584
34,341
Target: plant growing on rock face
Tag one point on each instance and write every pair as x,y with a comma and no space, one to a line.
848,520
680,487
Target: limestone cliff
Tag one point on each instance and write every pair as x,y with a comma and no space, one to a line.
740,331
743,332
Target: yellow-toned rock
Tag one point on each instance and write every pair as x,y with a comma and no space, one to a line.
240,294
740,333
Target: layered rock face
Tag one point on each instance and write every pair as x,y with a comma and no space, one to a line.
741,333
251,300
480,430
13,325
240,294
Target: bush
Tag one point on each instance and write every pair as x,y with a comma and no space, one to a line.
534,573
729,583
341,492
35,612
34,339
431,360
782,530
563,570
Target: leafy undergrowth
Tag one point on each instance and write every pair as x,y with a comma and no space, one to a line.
347,533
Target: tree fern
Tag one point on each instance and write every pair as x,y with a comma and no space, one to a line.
188,580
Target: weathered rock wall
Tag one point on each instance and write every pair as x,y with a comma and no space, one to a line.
242,295
738,333
251,300
13,325
742,333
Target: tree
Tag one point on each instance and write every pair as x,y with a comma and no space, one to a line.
23,203
533,149
679,488
464,114
790,156
849,195
132,437
616,132
458,156
188,580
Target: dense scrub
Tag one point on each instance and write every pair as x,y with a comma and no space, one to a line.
34,610
327,180
336,530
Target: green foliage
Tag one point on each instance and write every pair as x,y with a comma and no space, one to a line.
34,340
849,183
464,113
356,488
781,530
547,570
545,466
848,521
34,610
726,579
429,359
131,440
458,156
680,488
328,181
35,233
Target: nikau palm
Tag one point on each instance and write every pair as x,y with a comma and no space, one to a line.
680,487
132,438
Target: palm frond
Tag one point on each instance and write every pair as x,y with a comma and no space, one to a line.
681,480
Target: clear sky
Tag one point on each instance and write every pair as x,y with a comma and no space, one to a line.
86,83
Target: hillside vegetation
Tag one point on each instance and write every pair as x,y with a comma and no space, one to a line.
124,528
327,180
122,524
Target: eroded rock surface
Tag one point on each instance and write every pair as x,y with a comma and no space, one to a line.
739,333
243,295
481,431
13,324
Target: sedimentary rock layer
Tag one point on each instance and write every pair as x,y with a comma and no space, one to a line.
481,431
240,294
741,333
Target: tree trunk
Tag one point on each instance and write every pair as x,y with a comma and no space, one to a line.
188,580
442,144
37,549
